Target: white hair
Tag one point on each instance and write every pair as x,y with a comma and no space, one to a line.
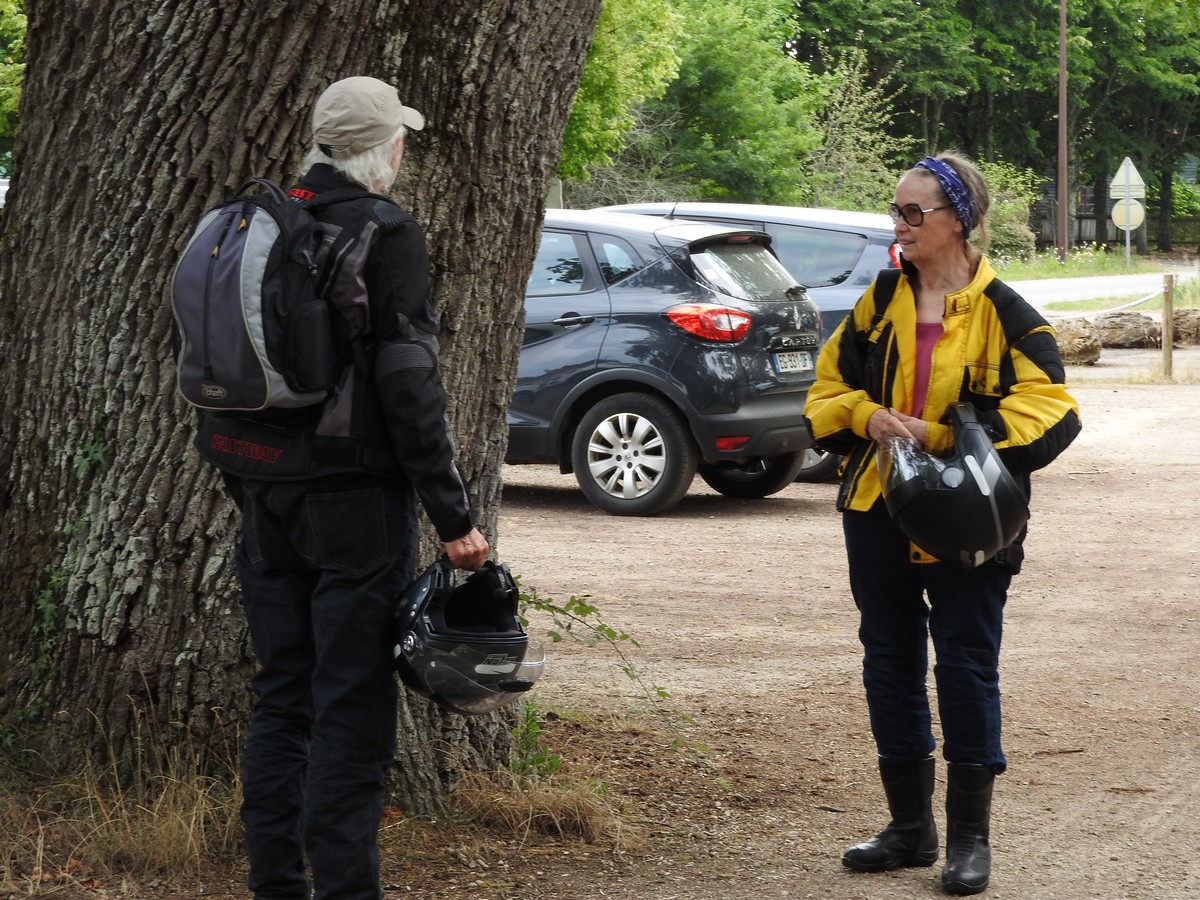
372,168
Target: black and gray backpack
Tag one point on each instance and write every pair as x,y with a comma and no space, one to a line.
252,295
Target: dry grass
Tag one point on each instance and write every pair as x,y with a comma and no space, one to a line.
555,807
175,820
76,832
1157,375
89,828
1079,376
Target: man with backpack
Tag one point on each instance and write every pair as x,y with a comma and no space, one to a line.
329,520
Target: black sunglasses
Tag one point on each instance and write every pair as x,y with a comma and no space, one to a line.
912,214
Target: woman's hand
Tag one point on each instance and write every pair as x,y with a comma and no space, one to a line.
918,428
888,423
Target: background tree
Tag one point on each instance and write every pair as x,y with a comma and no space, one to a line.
12,67
744,108
736,124
924,48
982,77
631,60
1140,93
117,598
1013,192
862,150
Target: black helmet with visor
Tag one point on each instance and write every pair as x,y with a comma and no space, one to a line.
463,647
963,509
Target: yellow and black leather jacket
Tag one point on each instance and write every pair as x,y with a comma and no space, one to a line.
996,351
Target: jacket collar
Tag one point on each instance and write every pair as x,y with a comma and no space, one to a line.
324,177
959,301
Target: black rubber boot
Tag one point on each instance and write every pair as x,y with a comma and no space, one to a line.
911,837
968,814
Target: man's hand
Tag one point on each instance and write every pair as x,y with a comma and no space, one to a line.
469,551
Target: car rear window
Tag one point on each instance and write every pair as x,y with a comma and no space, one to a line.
814,256
746,271
558,266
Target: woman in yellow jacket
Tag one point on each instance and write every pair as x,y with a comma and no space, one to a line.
941,330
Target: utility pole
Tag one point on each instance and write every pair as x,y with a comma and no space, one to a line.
1061,223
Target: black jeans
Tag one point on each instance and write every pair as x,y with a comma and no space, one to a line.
964,617
321,563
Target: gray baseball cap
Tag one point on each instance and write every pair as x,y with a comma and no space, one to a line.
356,114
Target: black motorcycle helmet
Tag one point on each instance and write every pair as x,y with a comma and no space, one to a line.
963,509
463,647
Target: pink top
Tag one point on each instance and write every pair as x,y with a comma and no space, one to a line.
927,335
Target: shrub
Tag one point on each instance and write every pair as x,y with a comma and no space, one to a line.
1014,191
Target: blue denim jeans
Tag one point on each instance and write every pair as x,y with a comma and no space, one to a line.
321,563
964,617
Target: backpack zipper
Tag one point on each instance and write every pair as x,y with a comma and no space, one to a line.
208,280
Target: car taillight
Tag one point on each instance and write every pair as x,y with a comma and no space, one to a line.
710,322
894,253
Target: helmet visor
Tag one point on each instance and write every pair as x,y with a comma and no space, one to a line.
474,680
902,461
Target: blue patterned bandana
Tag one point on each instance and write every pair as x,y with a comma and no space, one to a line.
960,197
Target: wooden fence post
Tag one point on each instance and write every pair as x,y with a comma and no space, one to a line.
1168,324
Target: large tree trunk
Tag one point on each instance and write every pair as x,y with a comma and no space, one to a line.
118,605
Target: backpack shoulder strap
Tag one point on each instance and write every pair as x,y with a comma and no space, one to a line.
885,287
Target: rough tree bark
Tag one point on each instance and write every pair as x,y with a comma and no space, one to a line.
118,607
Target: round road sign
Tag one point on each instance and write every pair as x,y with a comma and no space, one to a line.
1128,214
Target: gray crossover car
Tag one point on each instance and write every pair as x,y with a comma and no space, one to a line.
835,254
655,350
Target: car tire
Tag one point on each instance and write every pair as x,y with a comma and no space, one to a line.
817,466
756,479
633,455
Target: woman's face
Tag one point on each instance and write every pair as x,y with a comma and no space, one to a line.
940,233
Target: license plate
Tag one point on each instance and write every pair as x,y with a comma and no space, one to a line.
795,361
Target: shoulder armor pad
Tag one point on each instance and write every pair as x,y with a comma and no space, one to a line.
389,216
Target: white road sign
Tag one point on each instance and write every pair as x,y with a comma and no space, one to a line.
1128,214
1127,184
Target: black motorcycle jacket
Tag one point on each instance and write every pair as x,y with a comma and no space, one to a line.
388,413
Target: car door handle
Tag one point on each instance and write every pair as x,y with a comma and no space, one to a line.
569,319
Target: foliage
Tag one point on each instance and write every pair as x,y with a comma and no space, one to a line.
632,59
737,124
745,109
642,171
943,55
876,78
531,760
983,76
857,164
1140,89
12,69
92,454
579,619
43,642
1185,197
1013,193
1083,261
